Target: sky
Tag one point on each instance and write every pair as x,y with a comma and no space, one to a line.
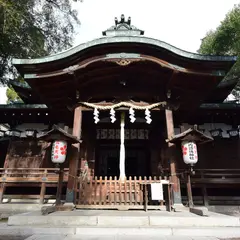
181,23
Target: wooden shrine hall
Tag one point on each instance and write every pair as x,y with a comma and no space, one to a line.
122,97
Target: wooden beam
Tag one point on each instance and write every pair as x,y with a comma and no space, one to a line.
46,84
113,73
171,80
43,189
2,190
74,160
189,191
59,187
172,157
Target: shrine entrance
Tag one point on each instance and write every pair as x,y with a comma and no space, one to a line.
137,159
137,152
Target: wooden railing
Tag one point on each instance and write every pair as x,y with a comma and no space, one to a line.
216,176
28,175
133,193
207,179
100,192
37,177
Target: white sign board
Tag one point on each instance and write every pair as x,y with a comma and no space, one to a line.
156,191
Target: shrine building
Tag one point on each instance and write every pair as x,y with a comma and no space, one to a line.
122,106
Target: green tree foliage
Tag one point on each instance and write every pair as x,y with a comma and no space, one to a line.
33,28
225,40
12,96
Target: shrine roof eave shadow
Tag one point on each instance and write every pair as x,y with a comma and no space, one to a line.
106,45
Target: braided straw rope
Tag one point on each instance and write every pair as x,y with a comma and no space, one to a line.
125,104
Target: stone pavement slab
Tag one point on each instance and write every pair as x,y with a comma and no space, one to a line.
123,219
47,237
7,237
109,237
138,232
128,231
204,238
219,232
116,237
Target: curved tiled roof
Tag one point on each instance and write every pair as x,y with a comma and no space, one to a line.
123,39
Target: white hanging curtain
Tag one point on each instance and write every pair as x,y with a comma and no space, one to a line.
122,149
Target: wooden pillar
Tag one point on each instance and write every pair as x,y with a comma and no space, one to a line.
189,191
2,189
177,199
74,160
90,145
43,188
8,154
204,192
59,187
42,193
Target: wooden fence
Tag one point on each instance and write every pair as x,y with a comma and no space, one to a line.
97,192
30,177
22,175
207,179
111,193
216,176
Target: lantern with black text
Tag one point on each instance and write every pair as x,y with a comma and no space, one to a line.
59,152
189,150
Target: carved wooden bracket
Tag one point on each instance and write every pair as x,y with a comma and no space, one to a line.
125,61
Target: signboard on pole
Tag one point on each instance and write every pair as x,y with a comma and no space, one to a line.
157,191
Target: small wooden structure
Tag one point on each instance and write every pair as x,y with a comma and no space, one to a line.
160,89
58,134
190,135
133,193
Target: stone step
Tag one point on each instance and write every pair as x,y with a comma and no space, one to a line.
137,232
127,219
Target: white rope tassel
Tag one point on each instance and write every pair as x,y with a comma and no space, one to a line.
122,149
132,115
148,116
96,116
112,115
123,104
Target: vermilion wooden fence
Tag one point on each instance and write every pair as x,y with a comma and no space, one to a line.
98,192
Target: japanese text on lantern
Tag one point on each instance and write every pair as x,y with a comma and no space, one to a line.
189,150
59,151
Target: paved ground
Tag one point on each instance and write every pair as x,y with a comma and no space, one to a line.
117,233
62,237
12,237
